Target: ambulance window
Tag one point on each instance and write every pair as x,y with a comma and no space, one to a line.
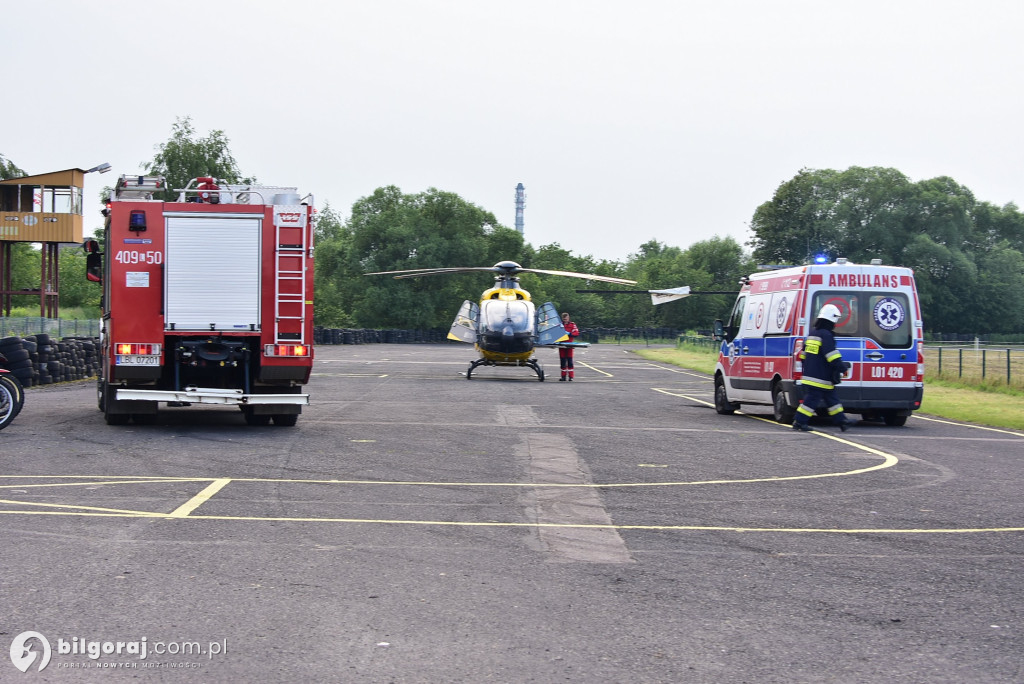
736,320
888,320
849,322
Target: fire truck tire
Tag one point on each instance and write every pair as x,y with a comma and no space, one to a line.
116,418
111,418
894,420
722,404
286,419
252,418
781,410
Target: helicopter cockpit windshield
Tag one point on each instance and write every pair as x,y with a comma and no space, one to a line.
507,326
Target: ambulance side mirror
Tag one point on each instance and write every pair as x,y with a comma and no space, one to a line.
720,333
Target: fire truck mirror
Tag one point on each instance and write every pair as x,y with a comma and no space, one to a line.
94,267
91,247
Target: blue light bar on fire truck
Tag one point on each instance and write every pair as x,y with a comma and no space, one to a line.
286,350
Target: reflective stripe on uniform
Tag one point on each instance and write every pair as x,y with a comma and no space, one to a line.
817,382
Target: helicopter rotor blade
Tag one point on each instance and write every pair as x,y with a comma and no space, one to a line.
585,276
418,272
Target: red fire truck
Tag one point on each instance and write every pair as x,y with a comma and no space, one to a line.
206,300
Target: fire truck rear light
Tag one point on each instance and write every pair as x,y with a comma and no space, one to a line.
286,350
136,349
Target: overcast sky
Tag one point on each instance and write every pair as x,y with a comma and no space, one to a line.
626,121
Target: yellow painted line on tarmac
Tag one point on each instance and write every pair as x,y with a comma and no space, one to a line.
199,499
78,510
529,525
681,371
838,439
969,425
587,365
92,482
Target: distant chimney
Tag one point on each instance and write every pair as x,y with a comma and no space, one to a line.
520,204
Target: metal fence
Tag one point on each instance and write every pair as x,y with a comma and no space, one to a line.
977,363
55,327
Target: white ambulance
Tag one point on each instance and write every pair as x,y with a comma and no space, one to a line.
880,334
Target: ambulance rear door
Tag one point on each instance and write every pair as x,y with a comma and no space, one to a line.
876,334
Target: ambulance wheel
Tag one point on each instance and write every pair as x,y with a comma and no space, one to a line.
894,420
782,411
722,403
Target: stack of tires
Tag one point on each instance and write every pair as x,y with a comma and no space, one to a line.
40,360
19,360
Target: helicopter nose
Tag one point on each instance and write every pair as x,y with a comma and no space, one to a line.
508,331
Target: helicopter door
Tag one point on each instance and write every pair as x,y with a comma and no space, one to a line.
549,325
464,326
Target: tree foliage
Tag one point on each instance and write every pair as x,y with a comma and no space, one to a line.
963,252
9,170
185,156
390,230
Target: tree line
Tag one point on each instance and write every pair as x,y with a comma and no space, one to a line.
968,255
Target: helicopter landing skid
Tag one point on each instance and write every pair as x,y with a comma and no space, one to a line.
532,363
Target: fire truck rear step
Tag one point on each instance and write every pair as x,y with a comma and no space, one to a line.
211,395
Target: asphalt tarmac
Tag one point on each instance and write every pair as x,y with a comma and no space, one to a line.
416,526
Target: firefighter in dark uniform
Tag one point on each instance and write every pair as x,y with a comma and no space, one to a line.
823,367
565,353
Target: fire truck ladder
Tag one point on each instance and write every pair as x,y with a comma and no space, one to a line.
290,287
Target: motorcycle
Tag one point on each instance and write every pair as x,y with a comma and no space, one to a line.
12,394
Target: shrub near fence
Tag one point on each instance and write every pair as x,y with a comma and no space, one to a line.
54,327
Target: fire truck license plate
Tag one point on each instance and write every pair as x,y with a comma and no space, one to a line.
137,360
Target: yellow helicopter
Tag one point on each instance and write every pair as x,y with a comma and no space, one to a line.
506,327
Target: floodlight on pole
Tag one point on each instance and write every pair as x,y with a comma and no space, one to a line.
102,168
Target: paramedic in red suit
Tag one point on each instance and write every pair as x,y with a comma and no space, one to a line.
565,353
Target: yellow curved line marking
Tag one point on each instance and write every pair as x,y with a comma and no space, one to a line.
184,511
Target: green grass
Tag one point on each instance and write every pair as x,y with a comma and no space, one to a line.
988,404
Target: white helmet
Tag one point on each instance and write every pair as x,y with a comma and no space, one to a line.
830,312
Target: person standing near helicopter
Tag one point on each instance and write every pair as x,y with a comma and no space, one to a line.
565,353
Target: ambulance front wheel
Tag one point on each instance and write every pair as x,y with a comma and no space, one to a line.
722,403
781,409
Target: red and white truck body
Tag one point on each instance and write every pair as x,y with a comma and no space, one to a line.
880,334
207,300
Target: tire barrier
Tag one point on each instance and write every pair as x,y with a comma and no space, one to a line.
370,336
40,360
